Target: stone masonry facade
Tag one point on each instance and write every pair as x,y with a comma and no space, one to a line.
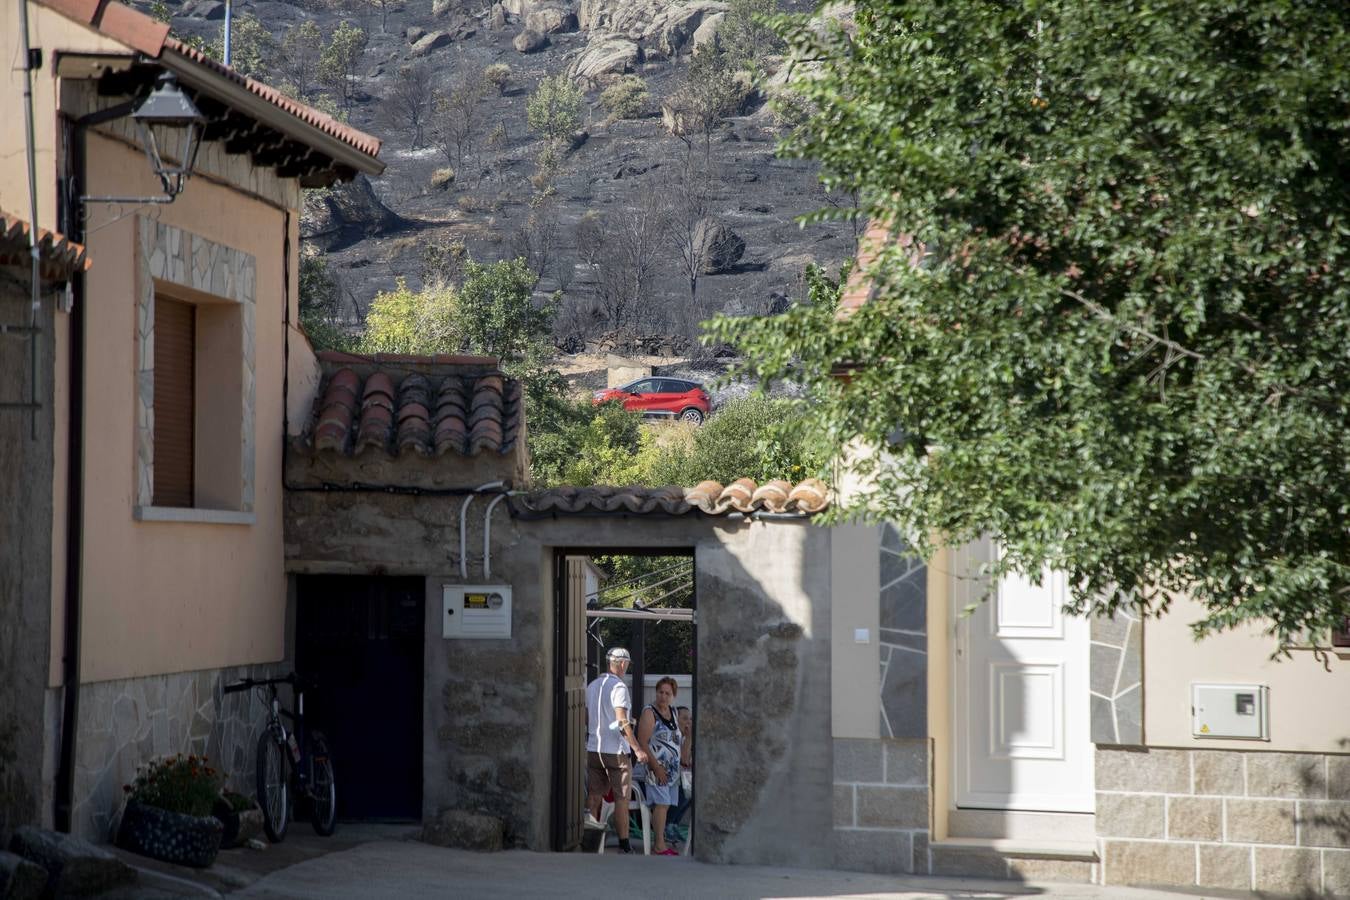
881,804
1235,820
128,722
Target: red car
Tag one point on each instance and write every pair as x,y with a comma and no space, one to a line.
673,397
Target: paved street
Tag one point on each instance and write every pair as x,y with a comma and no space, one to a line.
406,870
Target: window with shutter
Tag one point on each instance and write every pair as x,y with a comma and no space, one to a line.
174,401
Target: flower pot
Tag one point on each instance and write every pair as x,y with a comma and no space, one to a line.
240,825
170,836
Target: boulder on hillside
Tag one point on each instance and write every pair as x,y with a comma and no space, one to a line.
429,42
721,247
522,8
706,32
210,10
441,7
654,23
529,41
465,830
74,867
346,213
606,56
496,19
413,34
551,20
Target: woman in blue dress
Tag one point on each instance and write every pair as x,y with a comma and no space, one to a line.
659,736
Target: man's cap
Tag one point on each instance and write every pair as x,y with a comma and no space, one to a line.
617,653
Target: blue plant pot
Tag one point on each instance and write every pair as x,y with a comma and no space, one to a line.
170,836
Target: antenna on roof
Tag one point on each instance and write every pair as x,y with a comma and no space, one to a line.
227,32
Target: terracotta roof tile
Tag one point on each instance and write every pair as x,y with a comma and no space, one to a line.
146,35
708,498
59,257
458,410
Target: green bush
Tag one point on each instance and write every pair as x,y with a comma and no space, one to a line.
627,98
186,785
554,109
756,437
498,75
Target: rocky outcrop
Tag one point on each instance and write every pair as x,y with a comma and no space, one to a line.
496,19
529,41
551,20
706,32
721,247
413,34
606,57
346,213
429,42
658,24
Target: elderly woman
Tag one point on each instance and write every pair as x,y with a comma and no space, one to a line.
659,737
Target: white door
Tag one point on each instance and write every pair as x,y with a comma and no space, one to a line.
1022,729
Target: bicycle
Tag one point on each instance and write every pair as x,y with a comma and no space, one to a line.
306,752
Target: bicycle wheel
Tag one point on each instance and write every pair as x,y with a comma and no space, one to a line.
273,790
323,785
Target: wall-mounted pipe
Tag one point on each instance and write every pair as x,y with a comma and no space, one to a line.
35,275
464,525
487,536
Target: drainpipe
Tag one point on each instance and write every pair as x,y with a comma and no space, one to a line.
36,273
225,50
77,141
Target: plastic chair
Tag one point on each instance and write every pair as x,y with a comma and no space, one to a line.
635,804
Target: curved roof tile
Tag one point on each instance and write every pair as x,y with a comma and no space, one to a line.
708,498
427,415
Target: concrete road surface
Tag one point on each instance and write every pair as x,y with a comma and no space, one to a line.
406,870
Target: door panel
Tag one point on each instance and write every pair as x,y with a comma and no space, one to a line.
1021,717
361,639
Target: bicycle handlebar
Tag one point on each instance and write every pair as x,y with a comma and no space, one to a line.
294,679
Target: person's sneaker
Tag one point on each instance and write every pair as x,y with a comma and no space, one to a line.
669,851
592,822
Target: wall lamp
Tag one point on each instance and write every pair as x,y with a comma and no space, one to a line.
165,113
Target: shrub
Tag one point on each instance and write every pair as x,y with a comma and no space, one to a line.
627,98
498,75
442,178
554,109
177,784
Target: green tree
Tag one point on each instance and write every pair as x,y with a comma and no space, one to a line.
301,50
408,321
554,109
340,61
252,47
709,93
321,303
1122,350
746,32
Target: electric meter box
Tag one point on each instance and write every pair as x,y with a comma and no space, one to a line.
1240,711
475,611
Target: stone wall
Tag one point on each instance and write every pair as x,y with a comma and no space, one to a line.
1271,822
25,557
881,805
128,722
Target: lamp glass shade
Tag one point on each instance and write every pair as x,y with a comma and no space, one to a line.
169,122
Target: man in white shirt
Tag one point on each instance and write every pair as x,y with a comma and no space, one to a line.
609,737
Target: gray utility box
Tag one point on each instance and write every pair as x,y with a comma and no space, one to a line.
1240,711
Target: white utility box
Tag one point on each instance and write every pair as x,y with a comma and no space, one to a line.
475,611
1239,711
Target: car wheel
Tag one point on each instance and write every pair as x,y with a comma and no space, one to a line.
692,415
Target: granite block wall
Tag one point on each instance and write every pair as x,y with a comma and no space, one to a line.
1233,820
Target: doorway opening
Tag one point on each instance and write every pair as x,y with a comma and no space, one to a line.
644,601
360,639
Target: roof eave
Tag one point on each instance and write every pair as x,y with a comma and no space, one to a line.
228,91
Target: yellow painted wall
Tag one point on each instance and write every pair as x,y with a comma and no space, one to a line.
1307,701
175,596
855,676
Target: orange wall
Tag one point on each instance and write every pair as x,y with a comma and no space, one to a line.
175,596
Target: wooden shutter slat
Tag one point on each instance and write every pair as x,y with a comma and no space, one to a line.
175,391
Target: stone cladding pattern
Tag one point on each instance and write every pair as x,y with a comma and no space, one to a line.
1117,665
128,722
1223,819
904,639
179,257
